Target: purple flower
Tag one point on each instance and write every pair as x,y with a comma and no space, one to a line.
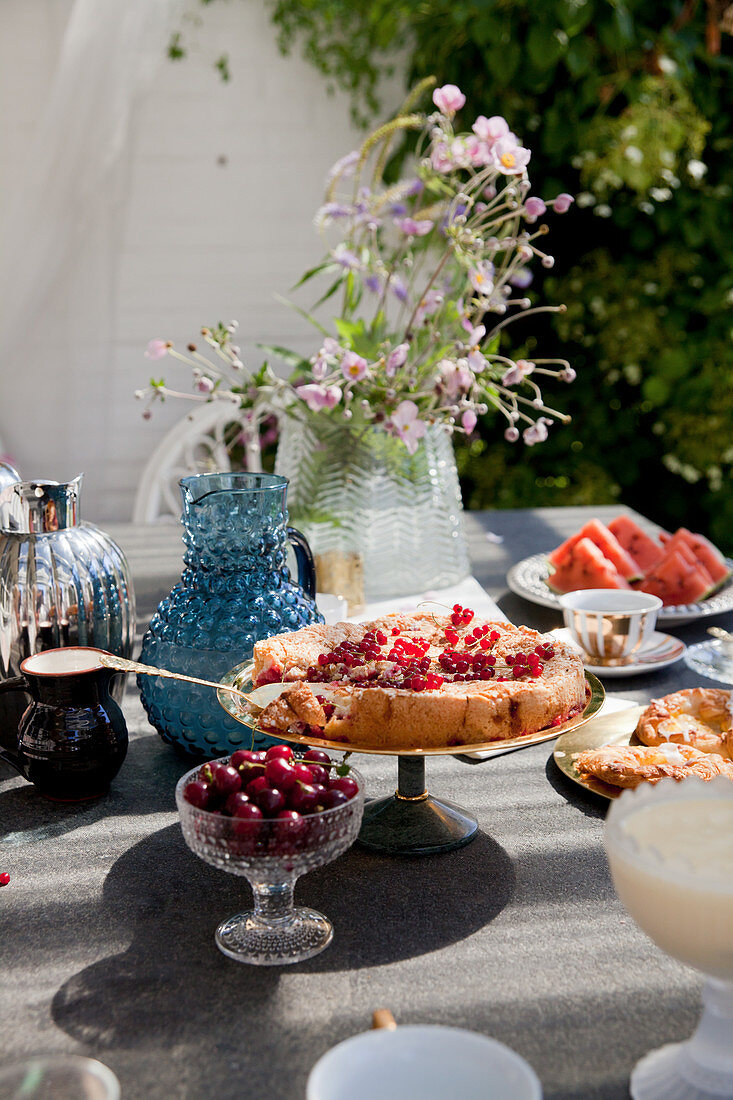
345,257
534,208
396,359
516,374
414,187
562,203
353,367
448,99
373,283
521,278
405,425
398,287
398,209
344,167
456,377
157,349
469,420
537,433
319,397
415,228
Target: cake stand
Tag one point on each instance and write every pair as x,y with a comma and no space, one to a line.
412,822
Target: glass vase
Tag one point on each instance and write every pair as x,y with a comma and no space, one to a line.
381,522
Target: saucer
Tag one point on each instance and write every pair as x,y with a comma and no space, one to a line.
661,650
710,659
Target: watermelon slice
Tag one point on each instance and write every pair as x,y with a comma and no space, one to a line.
706,554
637,544
583,565
675,581
609,546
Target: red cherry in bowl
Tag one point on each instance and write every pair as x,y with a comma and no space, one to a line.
256,787
235,802
333,798
302,797
271,801
280,773
346,784
226,779
198,793
317,756
275,751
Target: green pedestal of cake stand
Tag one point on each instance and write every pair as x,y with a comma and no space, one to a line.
411,822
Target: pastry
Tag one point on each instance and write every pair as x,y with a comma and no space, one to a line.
419,680
700,717
630,765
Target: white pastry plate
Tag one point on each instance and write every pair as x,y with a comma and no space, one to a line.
660,651
527,578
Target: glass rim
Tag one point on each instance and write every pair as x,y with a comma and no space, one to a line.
267,482
214,815
622,845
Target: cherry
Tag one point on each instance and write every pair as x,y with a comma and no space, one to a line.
250,771
280,773
317,756
283,751
333,798
319,774
4,878
235,802
226,779
247,819
198,793
241,756
254,788
346,784
270,801
302,773
302,797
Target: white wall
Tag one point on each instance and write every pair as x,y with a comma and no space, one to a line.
220,185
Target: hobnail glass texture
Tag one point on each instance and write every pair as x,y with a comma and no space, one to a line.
235,590
271,854
364,494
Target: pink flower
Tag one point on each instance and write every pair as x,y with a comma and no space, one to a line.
490,129
509,156
396,359
511,434
414,228
204,384
517,373
353,367
534,208
537,433
448,99
476,359
345,257
319,397
456,377
405,425
482,277
327,357
562,203
157,349
469,420
440,158
429,304
521,278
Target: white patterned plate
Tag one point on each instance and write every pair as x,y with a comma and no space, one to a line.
527,578
660,651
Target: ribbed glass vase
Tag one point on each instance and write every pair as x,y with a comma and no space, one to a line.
380,522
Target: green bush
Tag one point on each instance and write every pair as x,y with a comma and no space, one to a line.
628,105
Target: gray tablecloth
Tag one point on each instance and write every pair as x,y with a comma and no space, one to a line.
107,925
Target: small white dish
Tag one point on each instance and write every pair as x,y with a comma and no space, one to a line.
428,1061
660,651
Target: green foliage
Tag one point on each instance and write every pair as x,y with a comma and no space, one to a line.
626,103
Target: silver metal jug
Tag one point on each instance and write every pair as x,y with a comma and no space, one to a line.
62,583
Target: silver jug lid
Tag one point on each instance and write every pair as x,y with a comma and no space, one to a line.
39,507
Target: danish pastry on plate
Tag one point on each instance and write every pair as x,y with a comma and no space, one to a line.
699,717
630,765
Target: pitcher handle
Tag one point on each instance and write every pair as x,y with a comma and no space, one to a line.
16,683
305,562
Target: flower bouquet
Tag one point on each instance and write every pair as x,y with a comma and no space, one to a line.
427,272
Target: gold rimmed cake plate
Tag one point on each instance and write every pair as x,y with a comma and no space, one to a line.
241,678
411,821
609,729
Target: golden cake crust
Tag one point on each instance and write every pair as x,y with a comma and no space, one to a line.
700,717
630,765
456,713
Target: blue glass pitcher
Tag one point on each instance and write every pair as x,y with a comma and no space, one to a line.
235,590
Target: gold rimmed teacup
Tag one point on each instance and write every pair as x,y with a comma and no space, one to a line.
610,625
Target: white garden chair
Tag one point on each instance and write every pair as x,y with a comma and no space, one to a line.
194,445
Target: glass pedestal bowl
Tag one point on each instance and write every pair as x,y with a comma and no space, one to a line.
271,854
670,850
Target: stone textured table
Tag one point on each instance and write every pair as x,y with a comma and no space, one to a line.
106,928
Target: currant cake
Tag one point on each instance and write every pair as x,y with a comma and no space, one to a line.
418,680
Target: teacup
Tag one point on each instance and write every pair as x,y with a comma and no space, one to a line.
72,739
428,1061
610,624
